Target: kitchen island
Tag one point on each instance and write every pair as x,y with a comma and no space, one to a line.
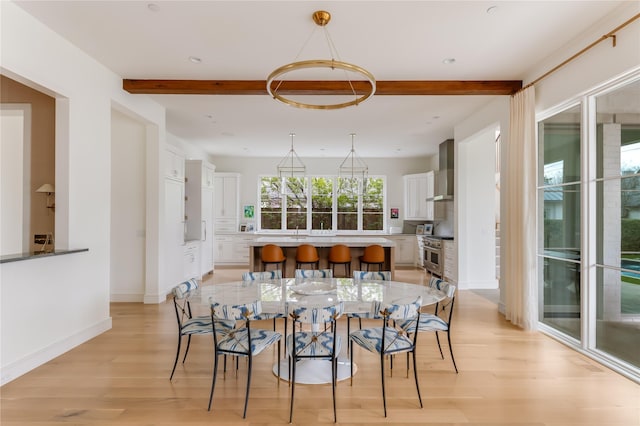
323,244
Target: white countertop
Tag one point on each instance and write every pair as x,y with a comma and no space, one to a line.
320,241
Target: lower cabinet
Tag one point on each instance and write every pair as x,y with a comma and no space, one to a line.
450,265
192,260
232,249
405,249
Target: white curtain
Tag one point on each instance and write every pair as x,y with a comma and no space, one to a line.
519,217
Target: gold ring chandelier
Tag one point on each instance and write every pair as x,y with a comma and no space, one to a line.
322,18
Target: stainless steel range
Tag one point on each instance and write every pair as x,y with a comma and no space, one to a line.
433,255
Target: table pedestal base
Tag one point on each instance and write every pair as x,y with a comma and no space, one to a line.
315,371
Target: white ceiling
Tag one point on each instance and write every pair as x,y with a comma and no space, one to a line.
246,40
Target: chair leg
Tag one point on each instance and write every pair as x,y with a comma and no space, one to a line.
348,339
439,347
384,399
334,373
292,380
213,382
415,374
350,360
187,349
173,370
246,398
451,350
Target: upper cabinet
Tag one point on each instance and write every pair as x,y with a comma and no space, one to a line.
173,163
418,196
199,208
226,206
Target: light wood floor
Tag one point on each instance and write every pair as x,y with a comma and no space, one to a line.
507,377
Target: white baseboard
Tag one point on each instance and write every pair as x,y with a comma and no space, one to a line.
30,362
127,297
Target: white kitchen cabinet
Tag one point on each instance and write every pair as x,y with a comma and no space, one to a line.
227,187
419,244
233,249
404,250
174,229
199,209
418,189
450,261
224,249
173,163
191,260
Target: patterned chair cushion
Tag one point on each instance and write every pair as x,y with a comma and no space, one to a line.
315,315
404,311
264,275
434,282
310,344
314,273
315,343
237,341
202,325
428,322
371,340
372,275
237,312
182,289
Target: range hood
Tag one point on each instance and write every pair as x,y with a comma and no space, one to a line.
444,176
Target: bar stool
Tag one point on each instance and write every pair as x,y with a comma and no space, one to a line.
272,254
340,255
307,254
373,255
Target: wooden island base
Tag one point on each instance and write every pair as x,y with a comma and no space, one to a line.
289,246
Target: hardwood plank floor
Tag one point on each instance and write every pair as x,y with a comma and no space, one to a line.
507,377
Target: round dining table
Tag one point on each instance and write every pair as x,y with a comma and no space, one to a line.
356,295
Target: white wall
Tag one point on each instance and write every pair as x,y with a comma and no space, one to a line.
596,66
64,300
476,211
128,208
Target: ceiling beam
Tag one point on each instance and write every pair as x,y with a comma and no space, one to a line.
304,87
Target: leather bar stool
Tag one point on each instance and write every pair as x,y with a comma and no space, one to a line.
373,255
273,254
340,255
307,255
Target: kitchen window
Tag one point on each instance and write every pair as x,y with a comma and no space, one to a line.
322,203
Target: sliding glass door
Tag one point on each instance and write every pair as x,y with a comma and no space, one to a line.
589,223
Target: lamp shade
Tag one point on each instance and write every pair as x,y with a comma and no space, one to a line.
47,187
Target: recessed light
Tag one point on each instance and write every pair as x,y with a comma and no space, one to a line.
492,9
153,7
195,59
448,61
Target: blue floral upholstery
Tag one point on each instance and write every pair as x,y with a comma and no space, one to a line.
389,340
183,289
243,341
314,273
321,342
435,282
264,275
189,325
375,305
367,275
314,343
440,321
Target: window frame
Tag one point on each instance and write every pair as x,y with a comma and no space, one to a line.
334,209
